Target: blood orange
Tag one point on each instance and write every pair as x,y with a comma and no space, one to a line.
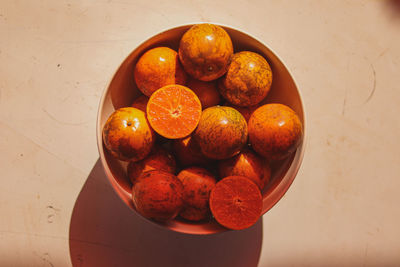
236,202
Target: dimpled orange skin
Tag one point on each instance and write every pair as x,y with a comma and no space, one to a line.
197,185
275,131
205,51
158,159
221,132
245,111
188,152
207,92
156,68
158,195
128,135
247,81
140,103
249,165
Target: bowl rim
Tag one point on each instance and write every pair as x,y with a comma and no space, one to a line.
280,190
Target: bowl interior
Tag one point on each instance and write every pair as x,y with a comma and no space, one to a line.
122,91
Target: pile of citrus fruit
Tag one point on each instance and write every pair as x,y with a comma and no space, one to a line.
201,137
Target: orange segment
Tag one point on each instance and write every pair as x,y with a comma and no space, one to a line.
174,111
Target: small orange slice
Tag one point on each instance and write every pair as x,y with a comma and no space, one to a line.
174,111
236,202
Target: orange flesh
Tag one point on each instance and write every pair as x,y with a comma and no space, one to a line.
236,202
174,111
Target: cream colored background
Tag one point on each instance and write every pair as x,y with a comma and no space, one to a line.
56,58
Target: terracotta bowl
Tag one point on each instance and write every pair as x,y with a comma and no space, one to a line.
122,91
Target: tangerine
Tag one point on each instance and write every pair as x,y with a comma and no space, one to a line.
221,133
249,165
275,131
158,195
248,79
188,152
156,68
207,92
158,159
128,135
140,103
174,111
197,185
245,111
205,51
236,202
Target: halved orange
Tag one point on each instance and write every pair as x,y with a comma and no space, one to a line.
174,111
236,202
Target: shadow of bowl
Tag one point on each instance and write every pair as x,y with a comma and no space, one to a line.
105,232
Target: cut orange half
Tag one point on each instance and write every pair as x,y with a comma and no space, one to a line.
236,202
174,111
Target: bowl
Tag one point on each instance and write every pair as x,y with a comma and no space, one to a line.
122,91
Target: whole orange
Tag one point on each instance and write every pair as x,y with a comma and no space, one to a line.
207,92
128,135
156,68
221,132
205,51
275,131
245,111
197,185
248,79
246,164
158,159
140,103
158,195
188,152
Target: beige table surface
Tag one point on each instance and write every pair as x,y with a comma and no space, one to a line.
57,209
